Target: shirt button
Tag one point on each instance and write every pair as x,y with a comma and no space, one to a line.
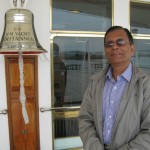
110,116
108,131
115,87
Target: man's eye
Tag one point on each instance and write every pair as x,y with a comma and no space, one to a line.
121,42
109,44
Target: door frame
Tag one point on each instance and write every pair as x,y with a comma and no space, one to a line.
7,58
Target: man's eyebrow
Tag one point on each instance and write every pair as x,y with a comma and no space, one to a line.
115,40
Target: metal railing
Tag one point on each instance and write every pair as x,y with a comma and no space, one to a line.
44,109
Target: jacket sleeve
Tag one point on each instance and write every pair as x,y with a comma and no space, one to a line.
87,129
142,140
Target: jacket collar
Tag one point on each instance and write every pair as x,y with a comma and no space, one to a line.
137,72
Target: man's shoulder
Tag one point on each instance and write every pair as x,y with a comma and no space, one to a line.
140,72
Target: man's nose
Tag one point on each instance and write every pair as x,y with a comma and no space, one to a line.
115,45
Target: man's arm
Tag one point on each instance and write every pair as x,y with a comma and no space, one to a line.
87,130
142,140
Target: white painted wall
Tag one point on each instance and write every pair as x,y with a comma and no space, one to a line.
40,9
4,136
121,13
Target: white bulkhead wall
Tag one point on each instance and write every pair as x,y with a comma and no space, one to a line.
40,9
121,13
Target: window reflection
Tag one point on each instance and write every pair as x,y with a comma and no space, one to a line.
142,54
60,77
66,127
139,18
81,15
78,59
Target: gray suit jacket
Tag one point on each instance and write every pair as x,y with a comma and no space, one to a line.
132,126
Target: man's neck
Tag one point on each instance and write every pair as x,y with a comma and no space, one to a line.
117,70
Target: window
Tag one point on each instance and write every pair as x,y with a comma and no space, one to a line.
77,33
139,18
140,27
142,54
76,59
81,15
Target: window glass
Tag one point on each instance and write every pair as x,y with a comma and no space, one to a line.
66,130
76,59
142,54
139,19
81,15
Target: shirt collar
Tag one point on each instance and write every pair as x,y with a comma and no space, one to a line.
126,74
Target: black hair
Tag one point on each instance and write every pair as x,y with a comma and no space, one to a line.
55,47
120,28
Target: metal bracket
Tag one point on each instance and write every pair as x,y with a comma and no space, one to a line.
3,112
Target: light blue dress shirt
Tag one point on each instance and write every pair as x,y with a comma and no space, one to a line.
112,95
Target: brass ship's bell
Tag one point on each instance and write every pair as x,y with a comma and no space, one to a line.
19,33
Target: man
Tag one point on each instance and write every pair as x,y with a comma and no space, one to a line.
60,78
115,111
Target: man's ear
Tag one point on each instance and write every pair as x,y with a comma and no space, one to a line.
132,49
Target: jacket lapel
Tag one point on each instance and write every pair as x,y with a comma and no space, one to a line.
100,81
99,108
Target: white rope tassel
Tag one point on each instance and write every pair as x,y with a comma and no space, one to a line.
22,93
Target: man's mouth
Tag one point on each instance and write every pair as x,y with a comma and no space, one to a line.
115,53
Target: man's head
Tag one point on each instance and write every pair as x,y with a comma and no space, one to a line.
56,50
121,28
119,45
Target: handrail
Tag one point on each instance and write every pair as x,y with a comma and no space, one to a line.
42,109
3,112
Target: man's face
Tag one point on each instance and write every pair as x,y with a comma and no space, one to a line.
118,49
